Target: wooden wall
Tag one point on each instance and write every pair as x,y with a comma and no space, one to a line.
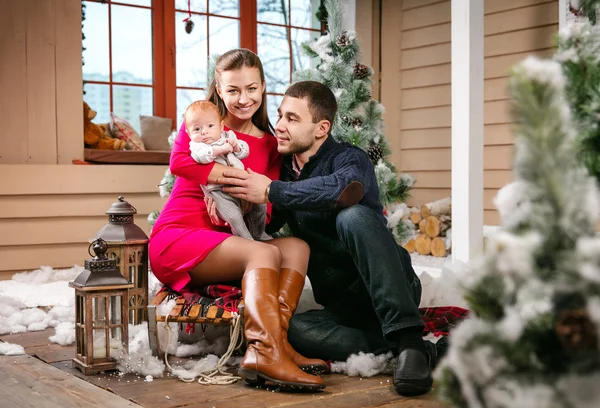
416,86
49,208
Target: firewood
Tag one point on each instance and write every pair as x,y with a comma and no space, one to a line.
422,224
415,217
435,227
439,207
438,247
425,211
410,246
423,244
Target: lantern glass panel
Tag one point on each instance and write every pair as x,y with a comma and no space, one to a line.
99,343
99,311
80,311
132,274
81,340
115,310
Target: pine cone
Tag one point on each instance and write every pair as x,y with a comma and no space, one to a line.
575,331
361,71
189,26
343,40
375,153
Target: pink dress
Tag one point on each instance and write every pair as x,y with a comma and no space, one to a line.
183,234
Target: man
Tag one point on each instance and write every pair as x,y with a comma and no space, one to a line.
329,197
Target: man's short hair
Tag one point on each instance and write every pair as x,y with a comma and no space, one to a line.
321,101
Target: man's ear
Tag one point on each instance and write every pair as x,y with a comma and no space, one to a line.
323,128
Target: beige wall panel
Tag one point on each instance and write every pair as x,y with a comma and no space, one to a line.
500,66
491,217
438,95
420,37
41,83
426,118
13,84
56,230
426,76
426,56
498,157
426,160
410,4
495,89
432,179
426,195
18,258
521,18
520,41
488,198
497,178
495,112
69,88
86,179
429,15
495,6
426,138
74,205
498,134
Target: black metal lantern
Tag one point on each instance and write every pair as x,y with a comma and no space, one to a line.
101,314
128,245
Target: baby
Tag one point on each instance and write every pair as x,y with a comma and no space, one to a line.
209,142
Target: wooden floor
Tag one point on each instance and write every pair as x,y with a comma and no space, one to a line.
45,378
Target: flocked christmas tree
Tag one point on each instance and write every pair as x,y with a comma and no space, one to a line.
359,120
533,337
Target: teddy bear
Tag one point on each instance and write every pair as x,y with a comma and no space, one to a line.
95,136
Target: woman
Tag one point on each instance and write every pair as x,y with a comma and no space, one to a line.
190,245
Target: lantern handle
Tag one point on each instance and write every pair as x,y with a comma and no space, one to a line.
99,240
122,199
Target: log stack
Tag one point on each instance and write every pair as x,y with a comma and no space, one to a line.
433,228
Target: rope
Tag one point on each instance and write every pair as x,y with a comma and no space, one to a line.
209,376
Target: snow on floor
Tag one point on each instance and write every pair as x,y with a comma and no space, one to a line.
41,299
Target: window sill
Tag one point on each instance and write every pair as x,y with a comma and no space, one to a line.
126,156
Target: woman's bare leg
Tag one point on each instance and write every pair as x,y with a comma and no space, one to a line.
294,253
231,258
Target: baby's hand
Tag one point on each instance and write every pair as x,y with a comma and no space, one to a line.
228,148
234,145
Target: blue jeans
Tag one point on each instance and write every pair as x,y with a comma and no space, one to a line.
368,288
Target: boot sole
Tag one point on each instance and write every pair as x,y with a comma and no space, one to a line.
315,369
411,388
256,378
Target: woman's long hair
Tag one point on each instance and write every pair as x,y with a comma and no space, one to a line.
230,61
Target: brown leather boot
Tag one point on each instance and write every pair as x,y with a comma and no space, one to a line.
291,283
265,359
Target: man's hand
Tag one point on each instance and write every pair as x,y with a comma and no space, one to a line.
250,187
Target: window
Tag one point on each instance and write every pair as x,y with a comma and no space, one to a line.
140,60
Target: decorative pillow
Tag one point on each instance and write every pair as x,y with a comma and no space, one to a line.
121,129
155,132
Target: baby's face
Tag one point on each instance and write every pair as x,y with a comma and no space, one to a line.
203,127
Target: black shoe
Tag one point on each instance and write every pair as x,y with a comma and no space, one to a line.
436,351
412,375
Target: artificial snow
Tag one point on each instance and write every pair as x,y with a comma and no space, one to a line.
9,349
42,299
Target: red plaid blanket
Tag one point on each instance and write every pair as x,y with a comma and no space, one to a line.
438,320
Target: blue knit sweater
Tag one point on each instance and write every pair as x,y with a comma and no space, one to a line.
309,204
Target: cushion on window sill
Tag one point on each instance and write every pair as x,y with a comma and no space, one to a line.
127,156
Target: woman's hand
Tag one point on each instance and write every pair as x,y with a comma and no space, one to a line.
211,207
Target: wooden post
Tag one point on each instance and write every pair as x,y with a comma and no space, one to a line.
467,129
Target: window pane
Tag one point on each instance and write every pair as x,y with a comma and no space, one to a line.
98,97
191,52
184,98
132,43
224,34
303,13
274,51
273,102
299,59
95,29
196,5
129,102
272,11
224,7
147,3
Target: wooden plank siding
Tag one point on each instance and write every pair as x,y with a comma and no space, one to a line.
49,212
513,30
